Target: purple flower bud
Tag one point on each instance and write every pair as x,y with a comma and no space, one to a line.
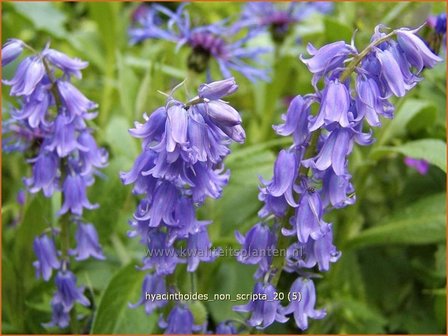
44,175
264,307
152,285
87,244
302,304
67,292
236,133
440,26
70,66
422,166
417,52
256,244
60,315
75,198
29,73
334,106
47,259
11,50
218,89
222,113
296,120
180,321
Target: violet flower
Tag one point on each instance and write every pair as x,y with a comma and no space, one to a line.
50,124
181,164
315,168
207,42
278,18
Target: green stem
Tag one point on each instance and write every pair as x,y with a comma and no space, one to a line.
358,58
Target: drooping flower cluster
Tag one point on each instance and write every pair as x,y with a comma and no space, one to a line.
278,18
181,164
216,41
312,177
50,125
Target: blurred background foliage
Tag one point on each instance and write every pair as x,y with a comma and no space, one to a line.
391,276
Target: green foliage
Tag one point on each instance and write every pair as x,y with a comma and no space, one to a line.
113,314
391,276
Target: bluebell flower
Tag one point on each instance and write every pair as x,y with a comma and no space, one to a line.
417,52
28,75
75,198
206,42
47,257
199,249
308,222
162,257
152,284
60,315
302,306
67,292
76,104
63,139
296,120
11,50
327,58
51,120
265,309
256,245
278,193
226,328
180,165
335,106
70,66
45,173
179,321
87,244
35,108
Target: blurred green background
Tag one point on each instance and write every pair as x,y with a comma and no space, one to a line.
391,276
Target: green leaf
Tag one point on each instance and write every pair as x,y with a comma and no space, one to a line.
336,30
421,223
412,111
234,278
113,315
431,150
44,16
